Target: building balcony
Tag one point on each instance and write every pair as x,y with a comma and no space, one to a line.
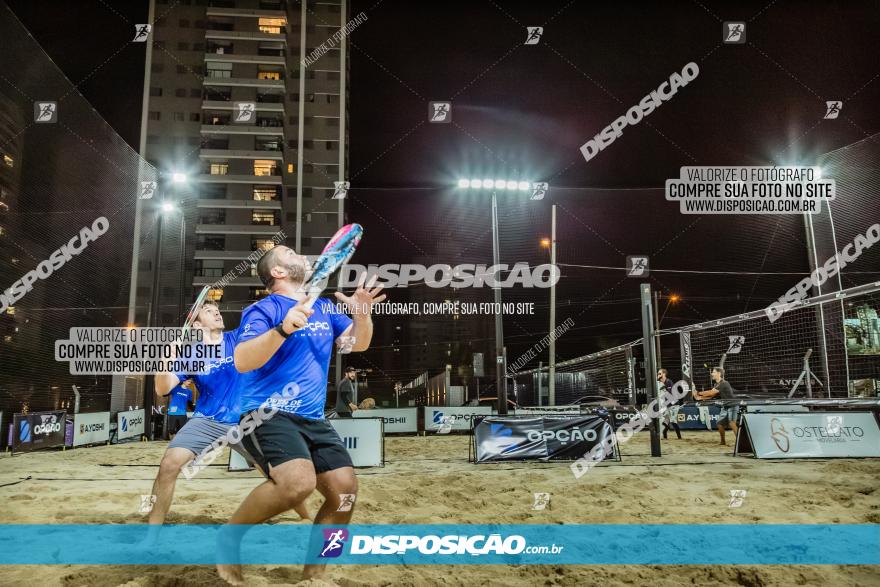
240,154
224,255
261,106
256,229
230,178
240,281
244,12
233,58
241,204
242,129
245,35
244,82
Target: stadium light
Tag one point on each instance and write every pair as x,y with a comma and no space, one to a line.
498,185
179,177
674,298
545,243
168,207
495,184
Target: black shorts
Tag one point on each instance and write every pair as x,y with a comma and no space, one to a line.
175,423
285,437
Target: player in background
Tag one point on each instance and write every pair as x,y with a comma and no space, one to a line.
723,391
670,411
284,342
175,417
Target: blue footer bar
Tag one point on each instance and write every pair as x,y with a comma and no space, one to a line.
594,544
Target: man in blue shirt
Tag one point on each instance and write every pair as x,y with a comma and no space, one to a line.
178,398
285,345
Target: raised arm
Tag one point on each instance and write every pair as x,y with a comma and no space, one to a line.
256,352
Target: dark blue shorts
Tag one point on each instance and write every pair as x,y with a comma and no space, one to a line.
285,437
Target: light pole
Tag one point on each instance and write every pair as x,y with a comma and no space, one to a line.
500,355
552,383
164,207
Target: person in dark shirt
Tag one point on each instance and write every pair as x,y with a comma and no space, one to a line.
345,394
723,391
670,412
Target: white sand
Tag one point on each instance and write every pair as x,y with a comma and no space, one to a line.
428,480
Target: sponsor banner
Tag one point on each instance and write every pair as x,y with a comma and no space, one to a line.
776,408
396,420
459,418
363,438
91,428
445,544
815,434
129,424
620,416
37,430
541,438
698,417
534,410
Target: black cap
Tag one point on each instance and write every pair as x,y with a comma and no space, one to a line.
349,369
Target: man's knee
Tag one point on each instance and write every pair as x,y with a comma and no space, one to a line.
172,463
294,483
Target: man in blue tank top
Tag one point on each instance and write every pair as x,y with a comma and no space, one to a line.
284,345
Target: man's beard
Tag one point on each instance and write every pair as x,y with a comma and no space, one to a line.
297,273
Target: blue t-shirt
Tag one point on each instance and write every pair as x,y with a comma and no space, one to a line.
179,398
218,393
303,359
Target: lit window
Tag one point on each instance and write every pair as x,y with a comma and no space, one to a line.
11,310
219,168
269,75
2,231
215,295
263,244
264,194
7,338
8,160
263,217
271,25
264,167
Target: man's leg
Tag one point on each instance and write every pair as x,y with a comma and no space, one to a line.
163,487
332,485
289,484
721,432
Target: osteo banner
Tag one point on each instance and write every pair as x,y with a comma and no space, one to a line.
130,423
395,419
91,428
814,434
363,438
459,418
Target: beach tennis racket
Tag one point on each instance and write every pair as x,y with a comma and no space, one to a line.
196,308
336,254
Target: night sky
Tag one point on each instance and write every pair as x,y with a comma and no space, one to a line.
523,111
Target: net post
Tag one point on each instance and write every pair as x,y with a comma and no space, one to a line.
650,365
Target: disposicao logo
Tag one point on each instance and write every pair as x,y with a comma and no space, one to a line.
334,542
124,424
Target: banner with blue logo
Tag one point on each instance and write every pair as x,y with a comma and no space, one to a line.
698,416
540,438
130,424
443,544
37,430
